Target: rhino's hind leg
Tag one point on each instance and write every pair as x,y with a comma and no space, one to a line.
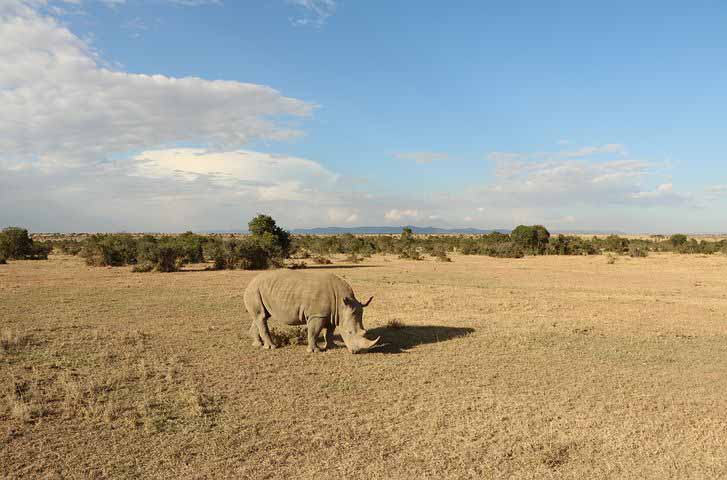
315,325
261,321
255,335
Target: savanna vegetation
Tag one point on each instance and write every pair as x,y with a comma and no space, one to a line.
268,245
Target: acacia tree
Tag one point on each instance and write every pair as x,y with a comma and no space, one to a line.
270,236
677,240
531,238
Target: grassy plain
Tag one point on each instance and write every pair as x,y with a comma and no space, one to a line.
542,367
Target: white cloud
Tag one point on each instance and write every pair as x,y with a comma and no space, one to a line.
315,12
396,214
342,215
264,176
422,157
560,179
664,194
61,107
610,148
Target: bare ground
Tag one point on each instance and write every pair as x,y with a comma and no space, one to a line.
546,367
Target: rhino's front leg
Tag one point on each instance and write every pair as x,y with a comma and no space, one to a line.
315,325
329,337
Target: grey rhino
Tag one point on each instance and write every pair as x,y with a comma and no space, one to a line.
318,300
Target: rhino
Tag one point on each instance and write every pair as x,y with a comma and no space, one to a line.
318,300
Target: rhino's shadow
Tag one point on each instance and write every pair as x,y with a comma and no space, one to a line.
401,339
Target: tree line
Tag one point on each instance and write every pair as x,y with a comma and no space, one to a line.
268,246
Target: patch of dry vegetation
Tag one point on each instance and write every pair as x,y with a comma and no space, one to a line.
542,367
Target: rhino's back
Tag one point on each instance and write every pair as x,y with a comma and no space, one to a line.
291,296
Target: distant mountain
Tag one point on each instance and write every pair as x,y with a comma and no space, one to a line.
392,230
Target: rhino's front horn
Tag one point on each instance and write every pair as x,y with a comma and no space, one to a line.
361,344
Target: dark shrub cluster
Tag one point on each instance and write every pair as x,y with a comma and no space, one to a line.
16,244
531,238
110,250
165,254
67,247
244,253
570,245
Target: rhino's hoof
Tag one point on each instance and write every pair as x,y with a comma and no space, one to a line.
313,350
257,343
271,346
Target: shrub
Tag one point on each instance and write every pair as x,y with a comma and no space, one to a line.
40,251
142,268
611,259
570,245
269,236
504,250
677,240
68,247
410,253
616,244
167,258
110,250
245,254
189,246
439,252
532,239
635,251
16,244
322,260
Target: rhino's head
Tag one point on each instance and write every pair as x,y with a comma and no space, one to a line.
351,326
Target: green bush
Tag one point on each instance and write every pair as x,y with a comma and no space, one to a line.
531,239
68,247
268,235
40,251
616,244
570,245
106,250
636,251
504,250
16,244
142,268
164,255
677,240
244,254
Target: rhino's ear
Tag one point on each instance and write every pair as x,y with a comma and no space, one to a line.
367,302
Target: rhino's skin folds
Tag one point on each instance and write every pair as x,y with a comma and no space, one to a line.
318,300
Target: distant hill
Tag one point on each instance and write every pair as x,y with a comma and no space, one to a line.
392,230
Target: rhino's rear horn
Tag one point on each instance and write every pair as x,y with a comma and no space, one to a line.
367,302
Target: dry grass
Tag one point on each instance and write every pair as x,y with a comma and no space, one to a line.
395,323
547,367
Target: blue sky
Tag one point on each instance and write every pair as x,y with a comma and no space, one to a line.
577,115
